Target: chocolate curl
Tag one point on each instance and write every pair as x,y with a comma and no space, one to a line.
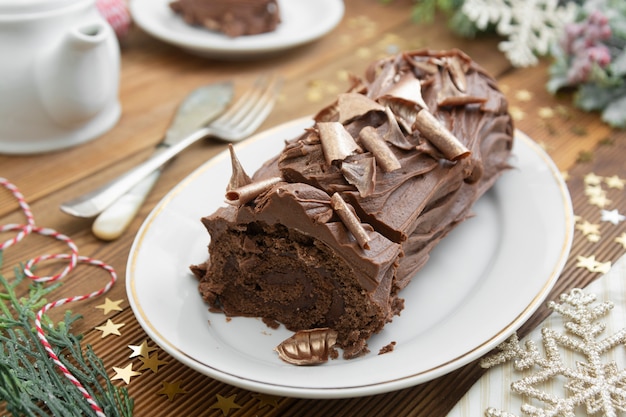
427,66
238,178
404,114
394,134
241,195
350,220
457,70
408,90
374,143
380,78
405,100
337,143
307,347
361,174
352,105
438,135
451,95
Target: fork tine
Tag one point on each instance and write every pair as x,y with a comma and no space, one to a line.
240,107
251,112
261,108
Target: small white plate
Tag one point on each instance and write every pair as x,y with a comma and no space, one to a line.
302,21
481,283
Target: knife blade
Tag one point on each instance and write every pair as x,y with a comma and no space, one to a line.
200,107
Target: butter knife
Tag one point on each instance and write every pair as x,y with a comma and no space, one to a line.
200,107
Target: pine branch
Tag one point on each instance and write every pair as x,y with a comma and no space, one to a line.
30,383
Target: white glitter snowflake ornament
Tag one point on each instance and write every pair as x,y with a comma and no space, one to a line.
530,26
588,381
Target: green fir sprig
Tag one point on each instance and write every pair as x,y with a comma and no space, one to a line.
30,383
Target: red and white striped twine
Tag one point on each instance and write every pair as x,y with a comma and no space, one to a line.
73,259
116,14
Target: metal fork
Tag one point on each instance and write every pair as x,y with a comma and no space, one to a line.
237,123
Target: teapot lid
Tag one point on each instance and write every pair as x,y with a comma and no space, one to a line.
33,6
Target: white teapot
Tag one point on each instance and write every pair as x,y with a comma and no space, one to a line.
59,75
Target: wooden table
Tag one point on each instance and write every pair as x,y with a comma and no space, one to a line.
156,76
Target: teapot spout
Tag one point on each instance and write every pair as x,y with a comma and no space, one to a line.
80,76
87,36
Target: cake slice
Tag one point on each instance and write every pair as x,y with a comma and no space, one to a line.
327,234
232,17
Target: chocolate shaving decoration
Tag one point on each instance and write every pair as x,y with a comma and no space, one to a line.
404,113
238,177
394,134
426,66
438,135
408,90
307,347
327,114
241,195
457,71
337,143
353,105
381,80
362,174
451,95
350,220
373,142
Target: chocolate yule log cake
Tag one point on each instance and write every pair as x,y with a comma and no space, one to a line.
325,235
231,17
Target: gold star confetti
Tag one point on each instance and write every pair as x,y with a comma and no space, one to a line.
599,200
545,112
314,95
592,179
584,156
563,111
267,400
152,362
545,146
590,263
578,130
588,228
225,404
110,328
343,75
607,140
141,350
594,190
362,22
125,374
621,239
171,389
363,53
602,267
523,95
516,113
593,238
612,216
615,182
109,306
586,262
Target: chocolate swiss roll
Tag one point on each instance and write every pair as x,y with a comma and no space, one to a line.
327,234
